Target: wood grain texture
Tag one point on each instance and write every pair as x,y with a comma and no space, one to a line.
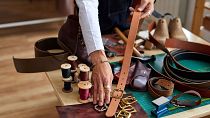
198,16
25,95
21,10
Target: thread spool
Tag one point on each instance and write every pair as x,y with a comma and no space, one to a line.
67,85
80,65
84,91
66,70
84,73
72,60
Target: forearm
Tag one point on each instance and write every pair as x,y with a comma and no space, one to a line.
88,18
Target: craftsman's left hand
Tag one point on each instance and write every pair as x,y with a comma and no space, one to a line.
146,7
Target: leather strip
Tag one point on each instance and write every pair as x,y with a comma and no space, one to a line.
44,60
158,87
184,78
125,67
186,103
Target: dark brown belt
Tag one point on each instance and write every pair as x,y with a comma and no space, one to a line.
44,60
184,78
158,87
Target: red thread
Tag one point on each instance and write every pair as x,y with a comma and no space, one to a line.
73,64
84,94
84,76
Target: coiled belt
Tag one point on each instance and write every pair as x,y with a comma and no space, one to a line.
45,59
185,78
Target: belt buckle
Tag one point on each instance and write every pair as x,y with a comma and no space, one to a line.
129,109
123,114
174,102
117,90
129,100
100,109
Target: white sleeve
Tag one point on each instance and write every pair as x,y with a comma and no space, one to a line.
89,22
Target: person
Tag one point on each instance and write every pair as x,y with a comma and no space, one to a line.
97,17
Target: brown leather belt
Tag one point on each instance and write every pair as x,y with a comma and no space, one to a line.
184,78
45,58
158,87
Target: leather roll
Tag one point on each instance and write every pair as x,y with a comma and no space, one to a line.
159,86
44,60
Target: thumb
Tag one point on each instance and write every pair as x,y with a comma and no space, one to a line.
142,5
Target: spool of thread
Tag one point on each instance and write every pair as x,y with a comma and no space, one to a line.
66,70
67,85
80,65
84,73
76,74
84,91
72,60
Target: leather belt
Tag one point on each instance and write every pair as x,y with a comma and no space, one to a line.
118,92
184,78
48,56
186,103
158,87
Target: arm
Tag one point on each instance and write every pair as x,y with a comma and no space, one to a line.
102,75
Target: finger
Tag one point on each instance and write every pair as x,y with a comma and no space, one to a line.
95,90
143,5
108,92
148,11
131,9
100,92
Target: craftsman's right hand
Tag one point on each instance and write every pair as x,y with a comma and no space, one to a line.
102,78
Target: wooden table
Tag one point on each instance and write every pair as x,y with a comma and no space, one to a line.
55,79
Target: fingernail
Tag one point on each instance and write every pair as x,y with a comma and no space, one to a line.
100,104
140,9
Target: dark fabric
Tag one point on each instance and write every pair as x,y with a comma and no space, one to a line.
113,13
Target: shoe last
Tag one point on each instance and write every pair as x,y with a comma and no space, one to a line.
160,34
175,29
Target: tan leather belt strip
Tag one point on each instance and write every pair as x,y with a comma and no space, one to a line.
118,92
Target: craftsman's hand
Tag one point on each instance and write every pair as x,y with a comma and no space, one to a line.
146,7
102,78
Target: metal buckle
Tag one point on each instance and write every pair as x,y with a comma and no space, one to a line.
129,109
123,114
176,105
129,100
101,108
117,90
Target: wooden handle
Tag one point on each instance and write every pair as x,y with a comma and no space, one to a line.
124,38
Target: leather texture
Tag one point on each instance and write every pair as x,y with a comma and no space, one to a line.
66,7
87,111
70,39
158,87
140,77
125,67
44,60
184,78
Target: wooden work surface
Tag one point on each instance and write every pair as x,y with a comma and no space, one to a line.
72,98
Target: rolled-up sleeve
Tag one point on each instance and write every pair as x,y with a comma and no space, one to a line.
88,19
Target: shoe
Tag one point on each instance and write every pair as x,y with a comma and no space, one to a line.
175,29
160,34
